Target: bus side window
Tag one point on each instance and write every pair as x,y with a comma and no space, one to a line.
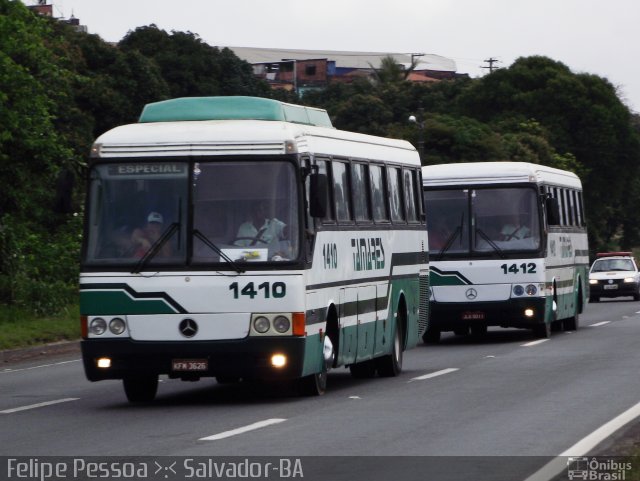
341,194
378,194
395,194
360,192
324,169
410,196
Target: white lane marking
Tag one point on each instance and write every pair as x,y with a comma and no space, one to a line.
585,445
434,374
597,324
533,343
5,371
39,405
355,397
250,427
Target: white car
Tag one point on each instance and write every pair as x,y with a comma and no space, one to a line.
614,274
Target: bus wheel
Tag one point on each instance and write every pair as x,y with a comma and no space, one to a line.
140,389
572,323
313,385
363,370
391,365
479,330
542,331
431,336
461,331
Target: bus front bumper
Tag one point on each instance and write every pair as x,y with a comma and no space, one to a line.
248,358
524,313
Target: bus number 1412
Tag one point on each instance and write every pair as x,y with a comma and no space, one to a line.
523,268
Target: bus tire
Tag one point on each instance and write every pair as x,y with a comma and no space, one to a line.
363,370
543,330
140,389
431,336
391,364
572,323
314,384
479,330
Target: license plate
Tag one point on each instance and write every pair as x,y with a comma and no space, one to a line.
473,316
610,286
190,365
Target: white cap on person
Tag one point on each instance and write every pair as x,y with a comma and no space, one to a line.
155,217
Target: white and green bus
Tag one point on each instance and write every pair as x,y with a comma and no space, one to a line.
243,238
508,247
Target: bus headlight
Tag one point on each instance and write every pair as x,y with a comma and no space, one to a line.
98,326
279,360
518,290
281,324
531,290
261,324
117,326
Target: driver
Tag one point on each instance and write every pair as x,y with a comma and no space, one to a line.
261,231
514,229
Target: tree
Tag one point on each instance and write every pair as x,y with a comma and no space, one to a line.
191,67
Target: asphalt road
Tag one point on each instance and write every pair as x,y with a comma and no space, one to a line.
497,407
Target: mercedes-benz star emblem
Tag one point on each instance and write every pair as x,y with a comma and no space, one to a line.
188,328
471,294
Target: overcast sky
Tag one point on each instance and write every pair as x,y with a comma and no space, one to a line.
592,36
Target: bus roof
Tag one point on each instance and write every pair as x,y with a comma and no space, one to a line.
245,137
474,173
232,108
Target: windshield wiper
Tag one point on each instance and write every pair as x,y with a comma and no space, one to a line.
452,237
490,242
217,250
156,246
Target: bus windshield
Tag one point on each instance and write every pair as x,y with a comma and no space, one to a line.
230,212
482,221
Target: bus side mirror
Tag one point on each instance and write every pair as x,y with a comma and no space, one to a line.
553,211
318,193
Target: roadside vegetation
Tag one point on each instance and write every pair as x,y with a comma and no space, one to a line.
59,89
23,328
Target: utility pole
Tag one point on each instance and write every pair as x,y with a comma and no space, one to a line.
491,61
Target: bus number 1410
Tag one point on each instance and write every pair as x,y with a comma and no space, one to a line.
275,290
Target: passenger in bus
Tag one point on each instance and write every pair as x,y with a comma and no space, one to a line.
143,238
262,231
120,244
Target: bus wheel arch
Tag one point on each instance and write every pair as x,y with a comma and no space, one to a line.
390,365
572,323
333,333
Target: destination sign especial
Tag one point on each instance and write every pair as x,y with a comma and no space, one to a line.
147,169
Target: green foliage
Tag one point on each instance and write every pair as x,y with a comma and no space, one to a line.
192,68
21,328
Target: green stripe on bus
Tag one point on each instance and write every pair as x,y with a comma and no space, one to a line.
440,278
119,302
